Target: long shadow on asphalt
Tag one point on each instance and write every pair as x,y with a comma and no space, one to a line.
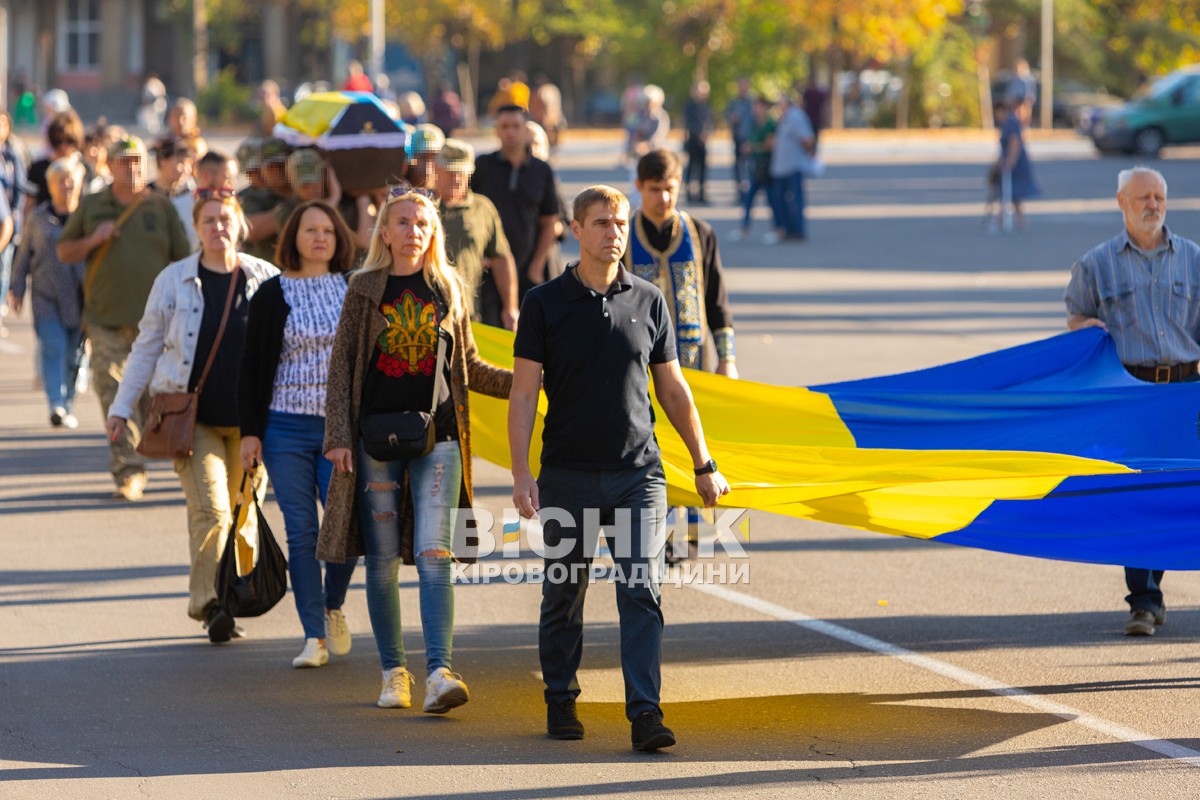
55,502
51,460
173,706
24,577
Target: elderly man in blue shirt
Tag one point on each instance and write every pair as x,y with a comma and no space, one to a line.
1143,287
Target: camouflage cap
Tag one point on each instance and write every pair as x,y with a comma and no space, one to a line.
249,153
427,139
273,151
456,155
305,167
127,147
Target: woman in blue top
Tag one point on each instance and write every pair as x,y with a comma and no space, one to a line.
1013,165
281,408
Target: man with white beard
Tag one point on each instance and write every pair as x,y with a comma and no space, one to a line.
1143,287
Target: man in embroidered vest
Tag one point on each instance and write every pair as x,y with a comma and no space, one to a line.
678,254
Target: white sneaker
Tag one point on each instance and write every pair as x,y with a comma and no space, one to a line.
133,488
69,421
396,692
737,234
337,633
443,691
772,238
313,655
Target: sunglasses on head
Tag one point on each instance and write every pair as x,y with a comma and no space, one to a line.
401,191
219,193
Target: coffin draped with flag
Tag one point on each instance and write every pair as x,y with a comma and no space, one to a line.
1050,449
362,143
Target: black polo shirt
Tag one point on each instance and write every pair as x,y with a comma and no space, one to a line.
596,351
522,195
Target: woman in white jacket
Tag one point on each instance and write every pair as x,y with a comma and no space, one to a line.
175,340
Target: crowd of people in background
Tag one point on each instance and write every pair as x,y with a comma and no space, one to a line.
775,150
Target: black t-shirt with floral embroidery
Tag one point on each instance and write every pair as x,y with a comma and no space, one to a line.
400,374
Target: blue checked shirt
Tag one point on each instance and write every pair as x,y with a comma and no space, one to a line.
1150,301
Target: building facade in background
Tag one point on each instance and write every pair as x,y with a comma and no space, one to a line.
100,51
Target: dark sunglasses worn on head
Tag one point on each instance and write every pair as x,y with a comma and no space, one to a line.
219,193
401,191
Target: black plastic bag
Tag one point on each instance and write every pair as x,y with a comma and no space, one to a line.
257,593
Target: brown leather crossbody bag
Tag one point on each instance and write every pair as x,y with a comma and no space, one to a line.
170,429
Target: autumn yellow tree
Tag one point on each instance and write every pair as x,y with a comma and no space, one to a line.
855,33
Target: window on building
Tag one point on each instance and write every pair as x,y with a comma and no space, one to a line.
79,35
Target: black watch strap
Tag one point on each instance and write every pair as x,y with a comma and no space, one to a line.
709,467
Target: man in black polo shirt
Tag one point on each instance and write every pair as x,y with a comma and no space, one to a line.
523,189
592,334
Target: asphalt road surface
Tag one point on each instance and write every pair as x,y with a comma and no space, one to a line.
849,664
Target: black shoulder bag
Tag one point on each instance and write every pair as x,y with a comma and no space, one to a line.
401,435
257,593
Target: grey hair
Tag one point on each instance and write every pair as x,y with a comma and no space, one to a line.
62,166
1126,175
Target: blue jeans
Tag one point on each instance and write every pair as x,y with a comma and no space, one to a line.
643,492
435,481
742,166
787,203
60,351
300,474
748,199
6,261
1145,592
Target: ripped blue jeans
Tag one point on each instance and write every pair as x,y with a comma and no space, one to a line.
435,481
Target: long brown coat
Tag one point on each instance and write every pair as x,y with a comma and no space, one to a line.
360,327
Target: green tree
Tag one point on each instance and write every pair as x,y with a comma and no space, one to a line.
1110,43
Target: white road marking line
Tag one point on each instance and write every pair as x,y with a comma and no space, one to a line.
963,676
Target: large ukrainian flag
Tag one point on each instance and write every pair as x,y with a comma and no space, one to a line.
1050,449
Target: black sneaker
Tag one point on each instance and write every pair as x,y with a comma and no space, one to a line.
220,626
650,734
561,720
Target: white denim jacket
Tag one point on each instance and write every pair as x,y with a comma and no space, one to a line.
166,344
